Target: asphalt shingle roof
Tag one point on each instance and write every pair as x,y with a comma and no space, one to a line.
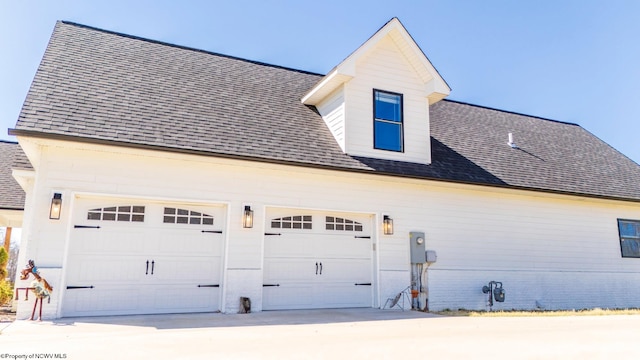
11,194
98,85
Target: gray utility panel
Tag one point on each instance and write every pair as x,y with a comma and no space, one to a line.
418,247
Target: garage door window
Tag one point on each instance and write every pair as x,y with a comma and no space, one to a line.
292,222
184,216
342,224
117,213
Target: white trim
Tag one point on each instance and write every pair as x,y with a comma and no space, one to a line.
376,242
65,254
436,88
23,177
225,261
154,199
374,234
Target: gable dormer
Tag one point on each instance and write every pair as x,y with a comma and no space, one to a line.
376,101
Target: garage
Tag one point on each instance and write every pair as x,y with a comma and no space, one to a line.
317,260
142,257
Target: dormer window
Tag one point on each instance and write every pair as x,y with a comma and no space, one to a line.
387,121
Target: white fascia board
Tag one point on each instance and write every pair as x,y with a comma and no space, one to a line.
434,82
326,86
31,148
11,218
24,178
347,68
436,90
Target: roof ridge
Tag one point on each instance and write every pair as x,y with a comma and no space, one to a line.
135,37
511,112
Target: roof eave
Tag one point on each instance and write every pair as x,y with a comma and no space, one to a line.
61,137
435,87
326,86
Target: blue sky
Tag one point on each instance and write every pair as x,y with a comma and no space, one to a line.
574,61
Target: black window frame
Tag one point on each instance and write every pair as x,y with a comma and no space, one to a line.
401,122
628,239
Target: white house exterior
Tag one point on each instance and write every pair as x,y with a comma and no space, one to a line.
156,162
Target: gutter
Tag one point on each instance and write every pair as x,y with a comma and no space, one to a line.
11,209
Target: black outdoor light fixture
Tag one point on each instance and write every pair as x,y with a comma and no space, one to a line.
247,217
56,207
387,225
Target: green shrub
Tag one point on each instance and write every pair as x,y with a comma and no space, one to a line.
6,292
4,259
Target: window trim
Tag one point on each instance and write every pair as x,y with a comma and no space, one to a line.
620,238
401,122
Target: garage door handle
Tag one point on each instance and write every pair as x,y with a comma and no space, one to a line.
85,227
320,268
270,285
153,265
212,285
362,284
79,287
147,272
316,268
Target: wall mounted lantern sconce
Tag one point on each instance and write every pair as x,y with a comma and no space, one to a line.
247,217
56,207
387,225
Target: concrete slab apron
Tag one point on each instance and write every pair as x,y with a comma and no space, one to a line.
323,334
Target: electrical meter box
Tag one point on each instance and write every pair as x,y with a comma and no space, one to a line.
417,246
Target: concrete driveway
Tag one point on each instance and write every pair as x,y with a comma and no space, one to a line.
323,334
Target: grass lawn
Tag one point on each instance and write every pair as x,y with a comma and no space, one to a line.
514,313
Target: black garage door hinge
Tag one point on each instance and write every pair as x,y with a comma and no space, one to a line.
212,285
362,284
79,287
269,285
362,237
275,234
212,231
85,227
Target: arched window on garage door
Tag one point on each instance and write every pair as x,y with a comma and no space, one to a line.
184,216
342,224
127,213
292,222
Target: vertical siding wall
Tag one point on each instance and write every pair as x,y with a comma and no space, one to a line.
385,68
560,251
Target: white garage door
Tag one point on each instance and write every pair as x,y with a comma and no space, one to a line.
317,260
132,257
